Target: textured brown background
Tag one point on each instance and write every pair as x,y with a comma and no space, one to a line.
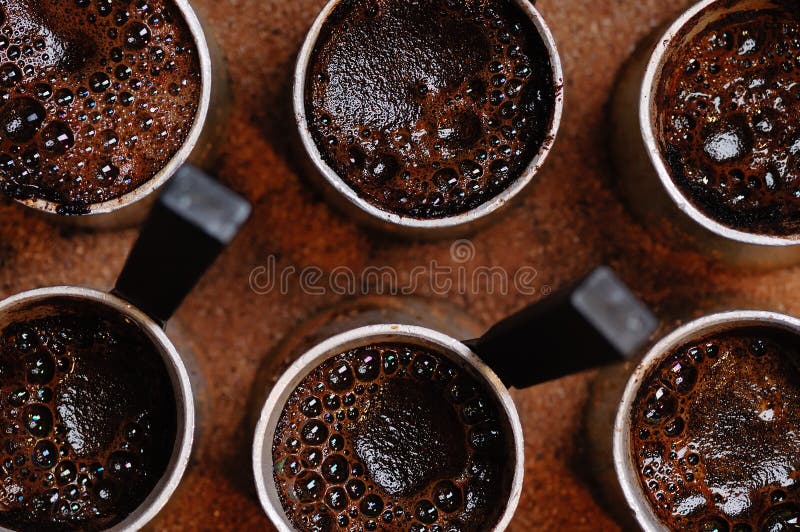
570,222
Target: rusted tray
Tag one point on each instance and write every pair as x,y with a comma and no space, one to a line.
570,221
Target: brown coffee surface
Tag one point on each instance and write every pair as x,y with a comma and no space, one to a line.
88,419
729,120
429,108
716,433
95,96
392,437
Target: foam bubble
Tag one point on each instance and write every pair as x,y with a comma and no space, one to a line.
371,505
426,512
312,407
10,75
335,469
368,366
340,378
447,496
57,138
312,457
40,367
45,455
314,432
336,498
355,488
308,487
38,420
137,35
21,118
727,142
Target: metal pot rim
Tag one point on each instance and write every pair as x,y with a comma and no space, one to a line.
364,336
184,436
408,222
183,153
649,136
627,474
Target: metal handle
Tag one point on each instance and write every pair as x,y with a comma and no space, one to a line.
193,220
594,322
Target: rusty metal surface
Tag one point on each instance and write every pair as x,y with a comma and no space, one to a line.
570,221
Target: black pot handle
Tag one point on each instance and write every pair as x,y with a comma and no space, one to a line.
192,221
594,322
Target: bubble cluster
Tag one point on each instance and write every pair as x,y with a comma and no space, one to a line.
95,97
410,129
84,439
714,433
391,437
728,119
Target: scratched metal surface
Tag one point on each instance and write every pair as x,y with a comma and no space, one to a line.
570,221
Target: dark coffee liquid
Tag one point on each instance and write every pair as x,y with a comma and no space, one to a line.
95,97
392,437
89,422
429,108
716,433
729,120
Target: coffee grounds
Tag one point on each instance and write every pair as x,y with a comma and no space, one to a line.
392,437
95,97
715,433
88,419
429,108
729,120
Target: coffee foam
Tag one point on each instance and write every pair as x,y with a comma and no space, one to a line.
429,108
714,433
95,97
728,123
89,422
391,437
